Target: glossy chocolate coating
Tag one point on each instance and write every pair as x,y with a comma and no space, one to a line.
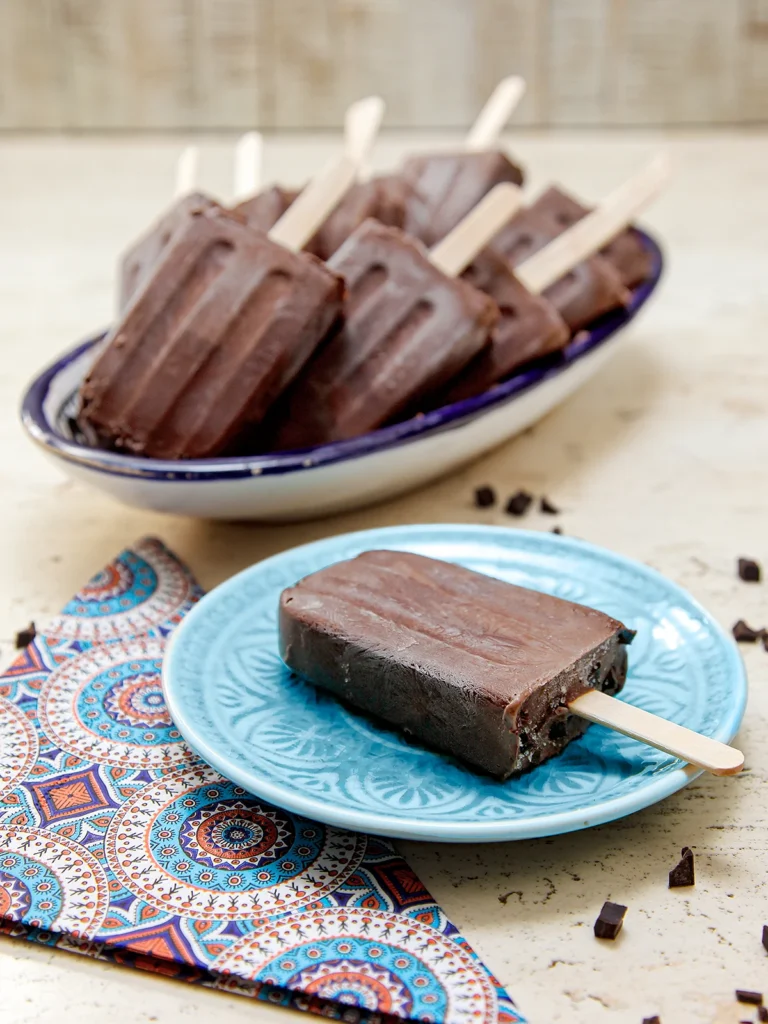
264,210
625,252
529,327
408,330
225,323
444,187
473,666
139,261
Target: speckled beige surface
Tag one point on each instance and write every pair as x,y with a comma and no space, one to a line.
661,457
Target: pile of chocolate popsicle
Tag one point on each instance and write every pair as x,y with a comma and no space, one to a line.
294,319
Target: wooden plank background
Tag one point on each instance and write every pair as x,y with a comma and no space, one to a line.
295,64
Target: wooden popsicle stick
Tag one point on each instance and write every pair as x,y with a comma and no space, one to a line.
186,172
592,232
497,111
690,746
456,251
313,204
247,170
362,121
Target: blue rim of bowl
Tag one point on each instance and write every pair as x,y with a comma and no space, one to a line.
448,417
608,810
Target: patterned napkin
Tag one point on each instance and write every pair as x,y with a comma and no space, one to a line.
117,842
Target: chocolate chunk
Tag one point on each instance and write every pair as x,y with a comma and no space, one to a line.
745,996
609,922
749,570
762,1013
683,873
519,503
485,497
626,636
25,636
744,634
545,505
652,1020
765,937
558,530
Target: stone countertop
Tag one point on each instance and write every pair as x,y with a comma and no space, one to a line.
660,457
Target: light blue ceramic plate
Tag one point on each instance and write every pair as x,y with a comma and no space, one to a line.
241,710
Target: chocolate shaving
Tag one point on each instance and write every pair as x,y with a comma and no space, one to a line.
745,996
749,570
652,1020
609,921
485,497
25,636
744,634
683,873
762,1013
546,506
765,937
557,530
519,503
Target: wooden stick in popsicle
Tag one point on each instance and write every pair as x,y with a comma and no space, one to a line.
314,203
497,111
362,121
186,172
248,163
591,233
690,746
456,251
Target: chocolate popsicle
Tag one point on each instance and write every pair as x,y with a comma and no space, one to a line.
444,187
382,199
625,252
590,289
530,326
265,209
227,320
139,260
473,666
580,285
407,329
410,326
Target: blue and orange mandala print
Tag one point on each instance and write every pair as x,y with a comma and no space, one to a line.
118,842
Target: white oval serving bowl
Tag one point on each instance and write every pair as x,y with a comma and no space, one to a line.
327,478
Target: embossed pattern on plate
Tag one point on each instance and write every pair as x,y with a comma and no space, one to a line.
239,707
